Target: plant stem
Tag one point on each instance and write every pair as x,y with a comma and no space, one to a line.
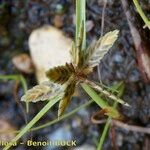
34,120
80,18
25,88
102,138
21,79
67,115
62,117
140,11
109,110
8,77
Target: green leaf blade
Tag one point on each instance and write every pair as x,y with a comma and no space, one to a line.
102,103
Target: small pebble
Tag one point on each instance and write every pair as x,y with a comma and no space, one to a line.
89,25
118,58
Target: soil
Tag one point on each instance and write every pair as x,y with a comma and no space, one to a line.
19,18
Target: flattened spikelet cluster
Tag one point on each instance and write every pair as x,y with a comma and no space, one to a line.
64,78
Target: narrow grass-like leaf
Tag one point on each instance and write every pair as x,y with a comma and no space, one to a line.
106,93
102,103
63,116
56,120
19,78
34,120
141,13
120,88
25,88
106,108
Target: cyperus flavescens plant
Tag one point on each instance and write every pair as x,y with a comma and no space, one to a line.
64,79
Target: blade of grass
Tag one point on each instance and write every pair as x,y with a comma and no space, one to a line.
141,13
67,115
34,120
8,77
108,109
102,103
102,138
25,88
62,117
120,88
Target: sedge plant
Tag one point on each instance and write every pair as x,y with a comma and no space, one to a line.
64,79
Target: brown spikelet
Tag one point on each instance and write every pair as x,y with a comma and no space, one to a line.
60,74
43,91
69,91
98,49
106,93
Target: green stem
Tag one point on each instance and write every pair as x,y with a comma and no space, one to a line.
62,117
80,18
119,86
102,138
140,11
8,77
67,115
24,83
21,79
34,120
25,88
